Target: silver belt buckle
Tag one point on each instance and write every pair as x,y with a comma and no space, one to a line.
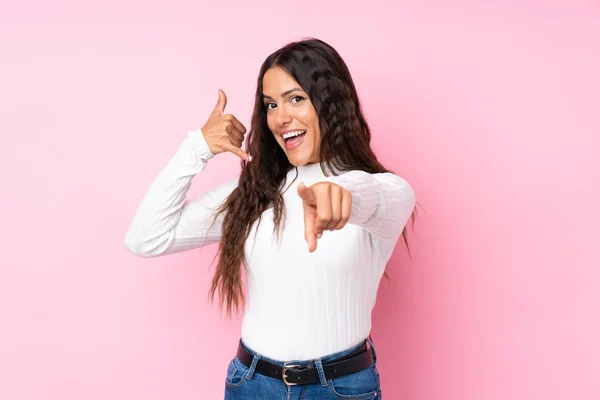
284,376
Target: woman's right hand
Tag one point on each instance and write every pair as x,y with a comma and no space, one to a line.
224,132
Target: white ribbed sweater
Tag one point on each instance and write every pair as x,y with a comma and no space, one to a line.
300,305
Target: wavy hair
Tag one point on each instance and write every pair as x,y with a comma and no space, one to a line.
345,145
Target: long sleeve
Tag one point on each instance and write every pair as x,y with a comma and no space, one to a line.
165,222
381,203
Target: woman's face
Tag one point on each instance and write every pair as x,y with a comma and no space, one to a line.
290,110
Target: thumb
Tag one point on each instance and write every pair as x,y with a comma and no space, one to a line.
305,193
221,103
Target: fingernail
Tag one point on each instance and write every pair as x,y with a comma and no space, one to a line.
319,235
249,157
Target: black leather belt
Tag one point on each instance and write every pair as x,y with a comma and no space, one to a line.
355,361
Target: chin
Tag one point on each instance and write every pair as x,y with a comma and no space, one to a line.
296,162
299,160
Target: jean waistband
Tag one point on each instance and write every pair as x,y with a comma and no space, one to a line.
325,358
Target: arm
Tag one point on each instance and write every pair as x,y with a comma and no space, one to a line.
381,203
164,222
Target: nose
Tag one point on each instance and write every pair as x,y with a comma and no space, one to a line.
283,117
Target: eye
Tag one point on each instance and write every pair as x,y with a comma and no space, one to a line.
300,98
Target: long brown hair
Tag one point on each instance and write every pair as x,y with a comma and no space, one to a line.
345,145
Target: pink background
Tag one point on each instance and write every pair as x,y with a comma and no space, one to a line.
491,111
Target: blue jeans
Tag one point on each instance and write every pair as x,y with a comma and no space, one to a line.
244,383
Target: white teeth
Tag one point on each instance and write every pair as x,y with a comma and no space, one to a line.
292,134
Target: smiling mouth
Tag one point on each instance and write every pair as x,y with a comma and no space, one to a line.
294,141
303,131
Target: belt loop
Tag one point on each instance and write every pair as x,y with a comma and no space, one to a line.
373,347
322,378
252,368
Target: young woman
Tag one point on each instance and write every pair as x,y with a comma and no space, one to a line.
312,220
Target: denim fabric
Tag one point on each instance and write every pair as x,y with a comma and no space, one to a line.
244,383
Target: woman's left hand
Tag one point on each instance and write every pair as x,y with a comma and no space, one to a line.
326,206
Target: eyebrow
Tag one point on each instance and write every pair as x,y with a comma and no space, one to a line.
284,93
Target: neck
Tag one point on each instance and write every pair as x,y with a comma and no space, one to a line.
309,171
